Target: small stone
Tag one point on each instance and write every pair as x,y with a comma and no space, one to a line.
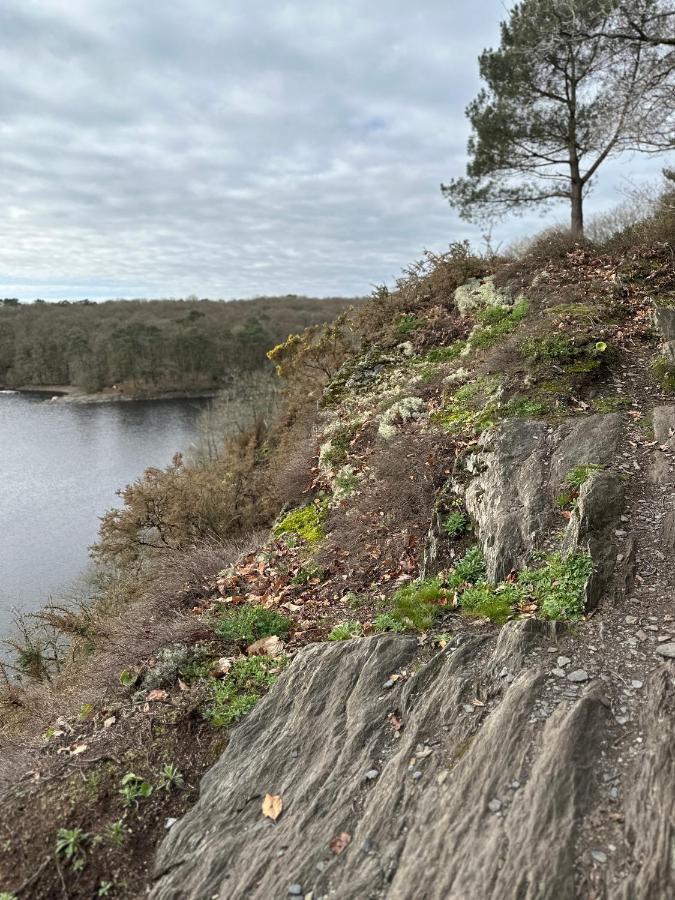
621,720
416,776
641,635
559,673
631,620
663,637
599,856
371,774
563,661
169,823
578,675
636,684
468,708
495,805
295,890
504,672
389,684
667,650
651,627
515,785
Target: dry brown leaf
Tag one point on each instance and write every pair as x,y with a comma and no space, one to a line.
221,667
268,646
272,806
157,695
340,843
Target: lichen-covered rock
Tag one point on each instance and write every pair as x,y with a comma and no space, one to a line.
478,293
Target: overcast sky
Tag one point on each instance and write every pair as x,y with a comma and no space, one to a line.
230,148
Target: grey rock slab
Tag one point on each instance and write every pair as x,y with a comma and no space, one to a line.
578,675
438,836
667,650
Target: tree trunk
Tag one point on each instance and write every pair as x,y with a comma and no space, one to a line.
576,199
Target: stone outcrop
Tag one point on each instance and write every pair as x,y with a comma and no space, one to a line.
469,779
516,476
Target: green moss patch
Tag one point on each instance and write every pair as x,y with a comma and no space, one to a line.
306,523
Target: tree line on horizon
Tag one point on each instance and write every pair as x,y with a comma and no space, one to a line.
148,346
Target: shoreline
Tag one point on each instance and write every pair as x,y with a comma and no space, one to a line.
68,394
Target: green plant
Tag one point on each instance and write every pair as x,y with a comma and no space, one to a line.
355,601
558,587
171,778
306,523
346,630
128,678
251,622
417,604
494,603
335,451
387,622
554,347
104,888
469,570
575,478
70,843
245,684
456,524
310,572
8,895
134,788
408,323
116,833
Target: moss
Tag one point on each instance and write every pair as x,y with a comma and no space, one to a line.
664,373
444,354
248,680
553,347
335,451
579,312
472,408
251,623
306,523
495,323
610,404
346,630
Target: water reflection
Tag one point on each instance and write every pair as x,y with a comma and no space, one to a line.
60,466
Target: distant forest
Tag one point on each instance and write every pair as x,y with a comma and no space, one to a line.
147,345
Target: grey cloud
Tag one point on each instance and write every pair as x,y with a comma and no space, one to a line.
231,149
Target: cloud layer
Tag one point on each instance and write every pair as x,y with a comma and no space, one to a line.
232,149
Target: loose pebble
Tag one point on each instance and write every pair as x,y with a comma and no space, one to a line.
495,805
563,661
667,650
371,774
578,675
599,856
631,620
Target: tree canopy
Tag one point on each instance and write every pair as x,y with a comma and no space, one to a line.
563,93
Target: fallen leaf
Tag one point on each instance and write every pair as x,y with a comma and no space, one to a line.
268,646
156,695
394,721
272,806
76,749
221,667
341,842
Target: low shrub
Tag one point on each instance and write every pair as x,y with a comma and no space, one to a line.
248,680
346,630
251,622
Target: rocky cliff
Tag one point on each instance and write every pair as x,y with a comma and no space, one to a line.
467,617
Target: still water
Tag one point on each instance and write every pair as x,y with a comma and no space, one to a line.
60,466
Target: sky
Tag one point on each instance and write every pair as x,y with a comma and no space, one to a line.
233,148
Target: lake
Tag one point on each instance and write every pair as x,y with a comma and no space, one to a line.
60,466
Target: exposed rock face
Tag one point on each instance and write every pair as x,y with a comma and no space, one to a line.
519,471
480,794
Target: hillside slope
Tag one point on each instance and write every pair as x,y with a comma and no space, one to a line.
463,615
